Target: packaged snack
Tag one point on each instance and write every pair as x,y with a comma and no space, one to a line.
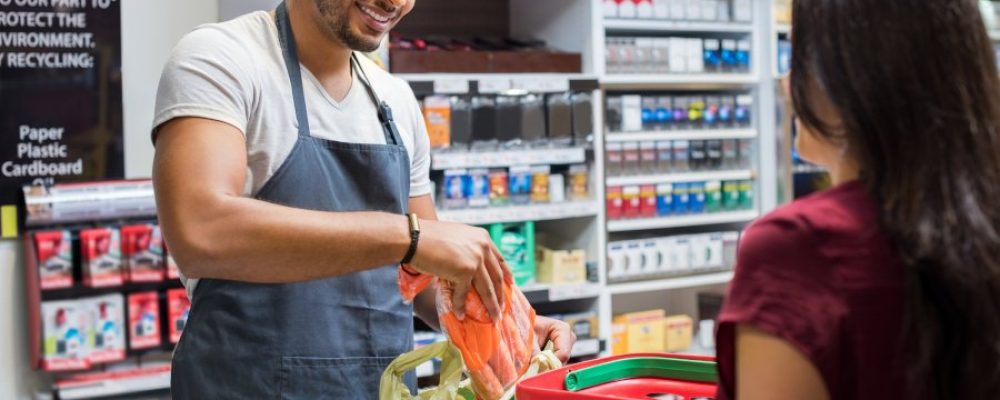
499,187
107,316
615,202
516,242
178,308
696,194
520,184
664,199
540,183
64,329
142,252
455,192
579,182
54,252
437,117
479,185
143,320
647,196
100,257
631,202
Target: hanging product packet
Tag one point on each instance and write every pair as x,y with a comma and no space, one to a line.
495,354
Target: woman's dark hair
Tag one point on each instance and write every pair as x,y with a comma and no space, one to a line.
917,88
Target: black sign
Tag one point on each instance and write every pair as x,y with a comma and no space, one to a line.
60,93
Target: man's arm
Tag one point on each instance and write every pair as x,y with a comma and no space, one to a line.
216,232
425,304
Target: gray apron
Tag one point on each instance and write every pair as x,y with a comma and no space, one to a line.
323,339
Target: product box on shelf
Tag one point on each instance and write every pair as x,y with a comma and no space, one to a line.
617,261
652,260
678,331
143,320
631,113
743,55
454,190
499,187
693,10
665,246
561,266
54,252
614,159
715,254
746,195
682,155
479,187
579,182
583,115
680,256
611,8
730,241
696,195
584,325
664,155
142,250
730,195
647,157
64,332
713,196
742,10
437,117
516,242
633,259
631,202
678,55
559,117
743,115
461,122
700,251
107,316
695,55
713,55
178,308
520,180
664,199
615,202
644,331
540,183
647,198
630,158
681,194
557,188
100,257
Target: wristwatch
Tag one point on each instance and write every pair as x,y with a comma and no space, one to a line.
414,238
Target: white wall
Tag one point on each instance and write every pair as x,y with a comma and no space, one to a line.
150,28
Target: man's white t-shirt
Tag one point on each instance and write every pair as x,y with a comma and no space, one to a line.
234,72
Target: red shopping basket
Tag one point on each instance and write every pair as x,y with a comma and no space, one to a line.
631,376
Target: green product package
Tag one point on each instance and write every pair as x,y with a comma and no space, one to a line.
516,242
746,195
730,195
713,196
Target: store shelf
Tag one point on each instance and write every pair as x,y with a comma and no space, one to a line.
506,158
542,293
627,225
697,176
585,348
692,134
671,283
532,212
643,25
502,83
808,169
783,29
115,384
668,81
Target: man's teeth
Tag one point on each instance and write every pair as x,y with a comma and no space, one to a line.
374,15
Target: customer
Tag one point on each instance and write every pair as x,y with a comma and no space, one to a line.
888,285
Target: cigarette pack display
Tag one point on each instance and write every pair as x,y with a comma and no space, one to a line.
699,155
532,118
745,153
617,262
651,257
613,114
630,157
100,257
730,153
696,112
643,9
661,55
437,117
579,182
557,188
697,197
746,195
730,195
713,196
631,204
143,320
742,11
142,251
680,258
614,159
454,190
633,255
540,184
627,9
680,192
520,184
649,121
709,10
743,55
729,55
647,195
695,55
583,115
713,149
678,9
664,112
699,251
678,55
666,246
479,184
664,199
484,120
508,119
64,332
107,316
499,187
647,157
742,115
692,10
715,257
178,308
712,104
661,10
680,114
713,55
559,114
615,202
516,242
631,113
726,108
611,8
54,252
461,122
664,155
730,241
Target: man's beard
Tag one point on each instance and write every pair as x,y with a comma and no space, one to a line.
335,23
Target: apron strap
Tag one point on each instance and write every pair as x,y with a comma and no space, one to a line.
384,111
287,40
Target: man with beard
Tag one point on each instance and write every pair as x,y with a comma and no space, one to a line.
292,181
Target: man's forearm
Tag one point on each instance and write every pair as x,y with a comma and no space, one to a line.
244,239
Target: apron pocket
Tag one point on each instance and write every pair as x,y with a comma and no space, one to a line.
331,378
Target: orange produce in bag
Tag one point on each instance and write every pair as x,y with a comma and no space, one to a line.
495,354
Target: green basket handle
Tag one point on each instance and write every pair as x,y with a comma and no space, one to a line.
641,367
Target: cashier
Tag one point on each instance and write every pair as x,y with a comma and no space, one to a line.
286,167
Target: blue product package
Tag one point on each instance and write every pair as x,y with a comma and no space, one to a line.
726,110
664,116
456,190
520,185
479,188
696,196
743,55
649,121
784,56
664,199
680,112
680,195
711,111
742,113
712,55
728,55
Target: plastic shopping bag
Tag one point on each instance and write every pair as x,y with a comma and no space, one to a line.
495,354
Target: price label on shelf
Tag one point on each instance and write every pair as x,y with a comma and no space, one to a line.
541,85
451,86
493,85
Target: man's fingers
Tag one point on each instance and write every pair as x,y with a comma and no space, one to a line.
461,289
495,271
487,293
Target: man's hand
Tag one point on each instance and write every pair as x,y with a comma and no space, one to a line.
558,332
466,257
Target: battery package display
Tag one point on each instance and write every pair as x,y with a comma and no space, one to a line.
143,320
142,250
100,257
54,252
107,316
178,308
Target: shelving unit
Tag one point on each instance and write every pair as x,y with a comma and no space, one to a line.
515,213
698,134
732,175
677,81
507,158
684,282
685,221
640,25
